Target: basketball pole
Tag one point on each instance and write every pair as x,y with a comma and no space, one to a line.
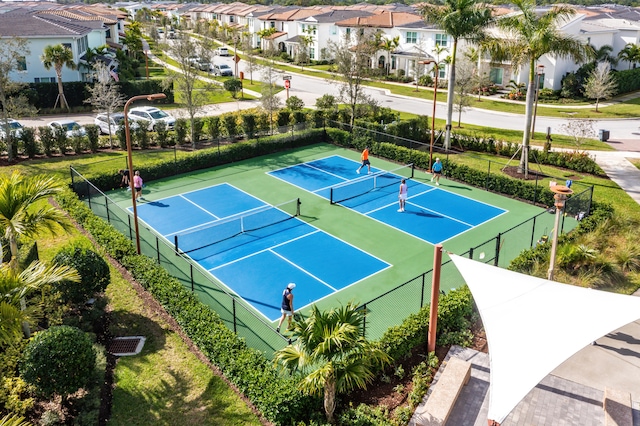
435,295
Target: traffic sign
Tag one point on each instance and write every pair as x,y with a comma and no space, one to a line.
236,59
287,84
286,77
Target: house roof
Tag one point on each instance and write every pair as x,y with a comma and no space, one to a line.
275,35
385,19
290,15
337,15
25,23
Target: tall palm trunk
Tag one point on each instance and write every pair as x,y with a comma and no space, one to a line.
450,95
63,100
330,397
526,135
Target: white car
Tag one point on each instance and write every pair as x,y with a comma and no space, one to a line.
71,127
222,70
222,51
115,121
151,116
15,128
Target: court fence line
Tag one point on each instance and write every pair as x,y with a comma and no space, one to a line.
232,309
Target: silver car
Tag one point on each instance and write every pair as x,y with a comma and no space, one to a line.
114,122
150,116
69,126
14,126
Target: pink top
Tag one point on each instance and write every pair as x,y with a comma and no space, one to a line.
137,181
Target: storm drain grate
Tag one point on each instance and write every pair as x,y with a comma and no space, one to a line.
126,346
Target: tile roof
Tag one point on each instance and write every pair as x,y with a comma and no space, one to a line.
24,23
337,15
384,19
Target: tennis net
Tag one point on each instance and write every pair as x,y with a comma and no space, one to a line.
215,232
357,187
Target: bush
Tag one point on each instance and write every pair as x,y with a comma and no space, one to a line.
58,361
249,124
284,118
181,129
198,125
230,125
47,139
93,135
213,127
141,136
78,143
162,134
294,103
28,138
93,270
61,139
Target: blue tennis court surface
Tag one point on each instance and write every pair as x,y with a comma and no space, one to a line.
256,249
431,213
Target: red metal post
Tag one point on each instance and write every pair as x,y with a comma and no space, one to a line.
435,294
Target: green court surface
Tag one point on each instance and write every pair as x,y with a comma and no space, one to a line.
409,256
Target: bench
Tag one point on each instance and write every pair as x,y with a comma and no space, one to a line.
444,394
617,408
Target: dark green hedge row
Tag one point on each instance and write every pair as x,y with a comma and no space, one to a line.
275,395
628,80
454,312
43,95
497,183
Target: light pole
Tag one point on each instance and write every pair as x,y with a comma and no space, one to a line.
539,73
433,115
560,197
127,133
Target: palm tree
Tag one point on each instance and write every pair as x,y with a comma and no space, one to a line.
332,354
603,54
528,35
14,288
389,45
461,19
20,210
630,53
58,56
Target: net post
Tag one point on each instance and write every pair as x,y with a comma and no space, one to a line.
191,276
106,205
498,238
533,232
471,253
235,326
158,248
175,243
331,195
298,203
413,169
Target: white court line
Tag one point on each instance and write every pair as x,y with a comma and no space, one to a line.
303,270
267,249
200,207
323,171
444,215
192,191
387,205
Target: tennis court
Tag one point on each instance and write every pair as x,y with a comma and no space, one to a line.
432,214
256,249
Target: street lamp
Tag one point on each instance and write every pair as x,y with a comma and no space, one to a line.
539,73
433,115
127,133
560,197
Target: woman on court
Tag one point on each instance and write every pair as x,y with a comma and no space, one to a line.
287,305
137,184
436,169
402,195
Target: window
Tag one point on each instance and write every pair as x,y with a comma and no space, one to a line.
441,70
22,63
393,62
312,53
44,80
348,32
441,40
540,81
412,37
67,45
272,24
495,75
334,30
231,19
304,27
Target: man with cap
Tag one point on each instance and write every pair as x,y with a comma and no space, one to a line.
287,305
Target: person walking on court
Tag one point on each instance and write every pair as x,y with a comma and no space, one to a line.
137,184
287,305
402,195
124,183
436,169
365,161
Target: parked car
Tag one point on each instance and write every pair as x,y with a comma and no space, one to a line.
151,116
171,34
115,120
15,128
202,64
222,51
71,127
222,70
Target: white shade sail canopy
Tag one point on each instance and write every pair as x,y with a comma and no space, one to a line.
533,325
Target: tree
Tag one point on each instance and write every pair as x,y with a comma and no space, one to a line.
528,35
294,103
265,33
104,94
464,81
58,56
579,130
327,102
600,84
306,40
12,103
630,53
133,38
16,287
352,63
269,101
58,361
603,54
331,354
389,45
233,86
249,55
21,214
462,20
182,50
